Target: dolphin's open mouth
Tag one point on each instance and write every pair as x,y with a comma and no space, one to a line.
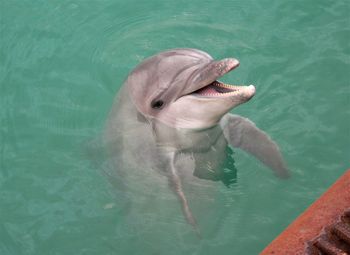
217,88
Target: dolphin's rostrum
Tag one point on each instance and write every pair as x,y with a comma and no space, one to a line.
171,119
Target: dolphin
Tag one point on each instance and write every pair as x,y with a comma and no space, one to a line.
170,126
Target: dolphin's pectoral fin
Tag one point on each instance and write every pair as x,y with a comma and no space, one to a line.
176,185
242,133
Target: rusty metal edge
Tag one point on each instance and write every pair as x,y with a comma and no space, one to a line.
324,211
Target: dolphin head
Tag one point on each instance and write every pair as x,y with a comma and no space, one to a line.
180,88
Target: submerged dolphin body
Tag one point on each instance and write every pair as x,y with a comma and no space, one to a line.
170,125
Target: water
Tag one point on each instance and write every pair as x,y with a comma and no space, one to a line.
62,62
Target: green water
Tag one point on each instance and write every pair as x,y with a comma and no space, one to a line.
62,62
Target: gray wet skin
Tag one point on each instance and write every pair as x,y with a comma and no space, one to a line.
170,120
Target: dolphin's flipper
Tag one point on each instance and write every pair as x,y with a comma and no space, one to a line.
176,185
242,133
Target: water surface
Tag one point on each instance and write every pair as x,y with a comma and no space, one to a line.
62,62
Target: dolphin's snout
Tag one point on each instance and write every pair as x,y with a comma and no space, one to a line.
232,63
248,92
214,70
251,89
225,65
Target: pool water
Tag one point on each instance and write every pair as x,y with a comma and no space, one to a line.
61,64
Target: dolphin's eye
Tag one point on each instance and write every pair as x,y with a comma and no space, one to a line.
157,104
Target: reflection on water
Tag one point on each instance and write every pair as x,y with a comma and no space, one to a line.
227,174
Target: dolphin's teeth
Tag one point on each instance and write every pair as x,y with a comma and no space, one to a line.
225,85
218,89
220,94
